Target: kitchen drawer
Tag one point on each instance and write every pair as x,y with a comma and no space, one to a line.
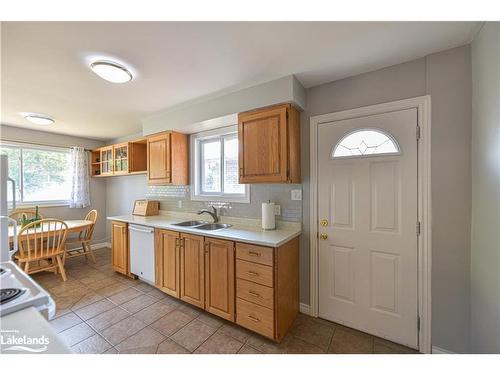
254,317
254,253
256,293
257,273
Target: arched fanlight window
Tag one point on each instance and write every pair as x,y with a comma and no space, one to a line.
366,142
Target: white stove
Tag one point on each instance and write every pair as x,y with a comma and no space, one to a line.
19,291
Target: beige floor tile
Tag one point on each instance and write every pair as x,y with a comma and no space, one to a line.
154,312
297,346
171,322
76,334
247,349
143,350
125,295
157,293
267,346
144,287
348,341
234,331
95,309
139,303
122,330
382,346
87,299
111,351
92,345
108,318
170,347
193,335
189,310
113,289
145,338
312,331
211,320
219,343
102,283
89,278
65,321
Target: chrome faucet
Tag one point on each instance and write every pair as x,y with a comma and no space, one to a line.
213,214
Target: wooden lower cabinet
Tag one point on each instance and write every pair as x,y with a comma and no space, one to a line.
219,277
119,247
255,286
192,270
167,261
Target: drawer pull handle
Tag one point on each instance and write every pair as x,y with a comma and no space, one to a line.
253,293
254,253
253,318
252,273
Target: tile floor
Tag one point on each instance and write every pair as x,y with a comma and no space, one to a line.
100,311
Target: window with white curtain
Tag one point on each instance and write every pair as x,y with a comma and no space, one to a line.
42,174
215,166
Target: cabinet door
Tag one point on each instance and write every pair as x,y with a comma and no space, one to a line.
192,270
219,278
107,161
120,158
159,168
119,247
167,261
263,151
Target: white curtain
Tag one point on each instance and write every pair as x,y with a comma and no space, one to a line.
80,184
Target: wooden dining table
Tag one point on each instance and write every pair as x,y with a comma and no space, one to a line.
74,226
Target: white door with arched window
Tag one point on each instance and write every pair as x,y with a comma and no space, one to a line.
367,206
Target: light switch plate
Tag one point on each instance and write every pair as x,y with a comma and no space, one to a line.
277,209
296,194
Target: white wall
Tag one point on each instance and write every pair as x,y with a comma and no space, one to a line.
97,185
485,242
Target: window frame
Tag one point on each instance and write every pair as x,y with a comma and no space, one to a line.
379,130
197,140
20,203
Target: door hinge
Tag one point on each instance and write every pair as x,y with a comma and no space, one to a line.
418,323
418,132
418,228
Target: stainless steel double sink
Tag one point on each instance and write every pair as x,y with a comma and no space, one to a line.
202,225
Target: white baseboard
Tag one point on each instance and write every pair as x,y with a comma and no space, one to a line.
96,246
305,309
438,350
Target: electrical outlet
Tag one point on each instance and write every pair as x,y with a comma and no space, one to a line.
296,194
277,209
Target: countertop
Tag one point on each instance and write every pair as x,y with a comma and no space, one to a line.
238,232
25,325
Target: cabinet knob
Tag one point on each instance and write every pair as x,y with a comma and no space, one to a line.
253,318
252,273
323,236
254,253
323,223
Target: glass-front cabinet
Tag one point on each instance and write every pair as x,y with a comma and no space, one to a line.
106,161
120,152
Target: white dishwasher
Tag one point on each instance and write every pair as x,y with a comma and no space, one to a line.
142,252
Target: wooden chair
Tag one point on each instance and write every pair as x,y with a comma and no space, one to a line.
30,213
84,238
42,240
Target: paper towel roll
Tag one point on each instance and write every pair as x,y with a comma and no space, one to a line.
268,219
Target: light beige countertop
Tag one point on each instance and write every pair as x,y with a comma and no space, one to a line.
242,230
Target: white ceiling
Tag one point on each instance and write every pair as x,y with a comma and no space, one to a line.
45,64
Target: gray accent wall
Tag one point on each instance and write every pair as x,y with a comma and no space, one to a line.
446,76
97,185
485,243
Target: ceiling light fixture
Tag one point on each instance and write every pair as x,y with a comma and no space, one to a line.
38,119
111,71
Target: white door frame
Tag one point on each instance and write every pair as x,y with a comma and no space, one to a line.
423,106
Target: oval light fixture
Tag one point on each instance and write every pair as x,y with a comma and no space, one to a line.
111,71
39,119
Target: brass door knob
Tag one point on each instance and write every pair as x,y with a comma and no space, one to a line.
323,236
323,223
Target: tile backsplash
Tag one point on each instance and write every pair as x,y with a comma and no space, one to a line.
178,198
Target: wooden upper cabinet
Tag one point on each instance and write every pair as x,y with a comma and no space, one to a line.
269,145
119,247
192,270
167,261
168,159
119,159
106,160
219,278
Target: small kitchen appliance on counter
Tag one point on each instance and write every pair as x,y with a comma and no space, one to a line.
145,207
